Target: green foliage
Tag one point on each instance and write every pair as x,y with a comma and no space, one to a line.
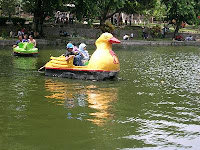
108,27
105,9
138,6
41,9
179,11
8,7
85,9
17,20
155,31
3,20
4,34
159,12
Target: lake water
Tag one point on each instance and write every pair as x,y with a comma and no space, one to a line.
153,105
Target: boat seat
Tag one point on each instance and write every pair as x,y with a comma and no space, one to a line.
70,60
29,46
21,45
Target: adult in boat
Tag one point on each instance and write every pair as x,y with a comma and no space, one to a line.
71,52
20,38
84,53
31,40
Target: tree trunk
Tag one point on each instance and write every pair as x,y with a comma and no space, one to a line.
35,22
102,21
41,26
38,18
177,29
102,24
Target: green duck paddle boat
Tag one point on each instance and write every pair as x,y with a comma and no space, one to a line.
25,49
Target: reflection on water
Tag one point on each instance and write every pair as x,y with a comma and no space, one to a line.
26,63
72,95
100,100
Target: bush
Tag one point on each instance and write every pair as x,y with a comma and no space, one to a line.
4,34
108,27
17,20
155,31
3,21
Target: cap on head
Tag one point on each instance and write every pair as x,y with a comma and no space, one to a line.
70,45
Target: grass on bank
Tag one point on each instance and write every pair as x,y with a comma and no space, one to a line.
188,29
138,28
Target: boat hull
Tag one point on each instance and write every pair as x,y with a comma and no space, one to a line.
81,74
24,54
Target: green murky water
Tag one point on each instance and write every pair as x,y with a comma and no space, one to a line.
154,104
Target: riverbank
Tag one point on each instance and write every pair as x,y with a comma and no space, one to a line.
43,42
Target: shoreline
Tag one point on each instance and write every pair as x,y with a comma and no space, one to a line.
44,42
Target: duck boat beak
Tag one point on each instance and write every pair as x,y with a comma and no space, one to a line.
114,40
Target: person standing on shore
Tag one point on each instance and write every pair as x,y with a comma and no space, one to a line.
144,33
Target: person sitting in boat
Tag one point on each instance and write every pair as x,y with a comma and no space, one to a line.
25,38
20,38
77,57
84,53
31,40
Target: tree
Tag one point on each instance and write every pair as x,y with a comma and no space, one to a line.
8,7
105,9
146,8
180,11
40,9
138,6
101,9
159,11
197,10
85,9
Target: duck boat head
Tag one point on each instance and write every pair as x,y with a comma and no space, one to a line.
104,57
103,63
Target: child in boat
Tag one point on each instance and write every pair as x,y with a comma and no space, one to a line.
31,40
77,57
20,38
84,53
25,38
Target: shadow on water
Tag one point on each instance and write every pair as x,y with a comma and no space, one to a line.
25,63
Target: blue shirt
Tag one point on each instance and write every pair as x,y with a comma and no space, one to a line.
25,40
18,41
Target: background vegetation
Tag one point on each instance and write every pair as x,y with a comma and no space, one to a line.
174,12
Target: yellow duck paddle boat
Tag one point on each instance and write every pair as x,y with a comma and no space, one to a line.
103,63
